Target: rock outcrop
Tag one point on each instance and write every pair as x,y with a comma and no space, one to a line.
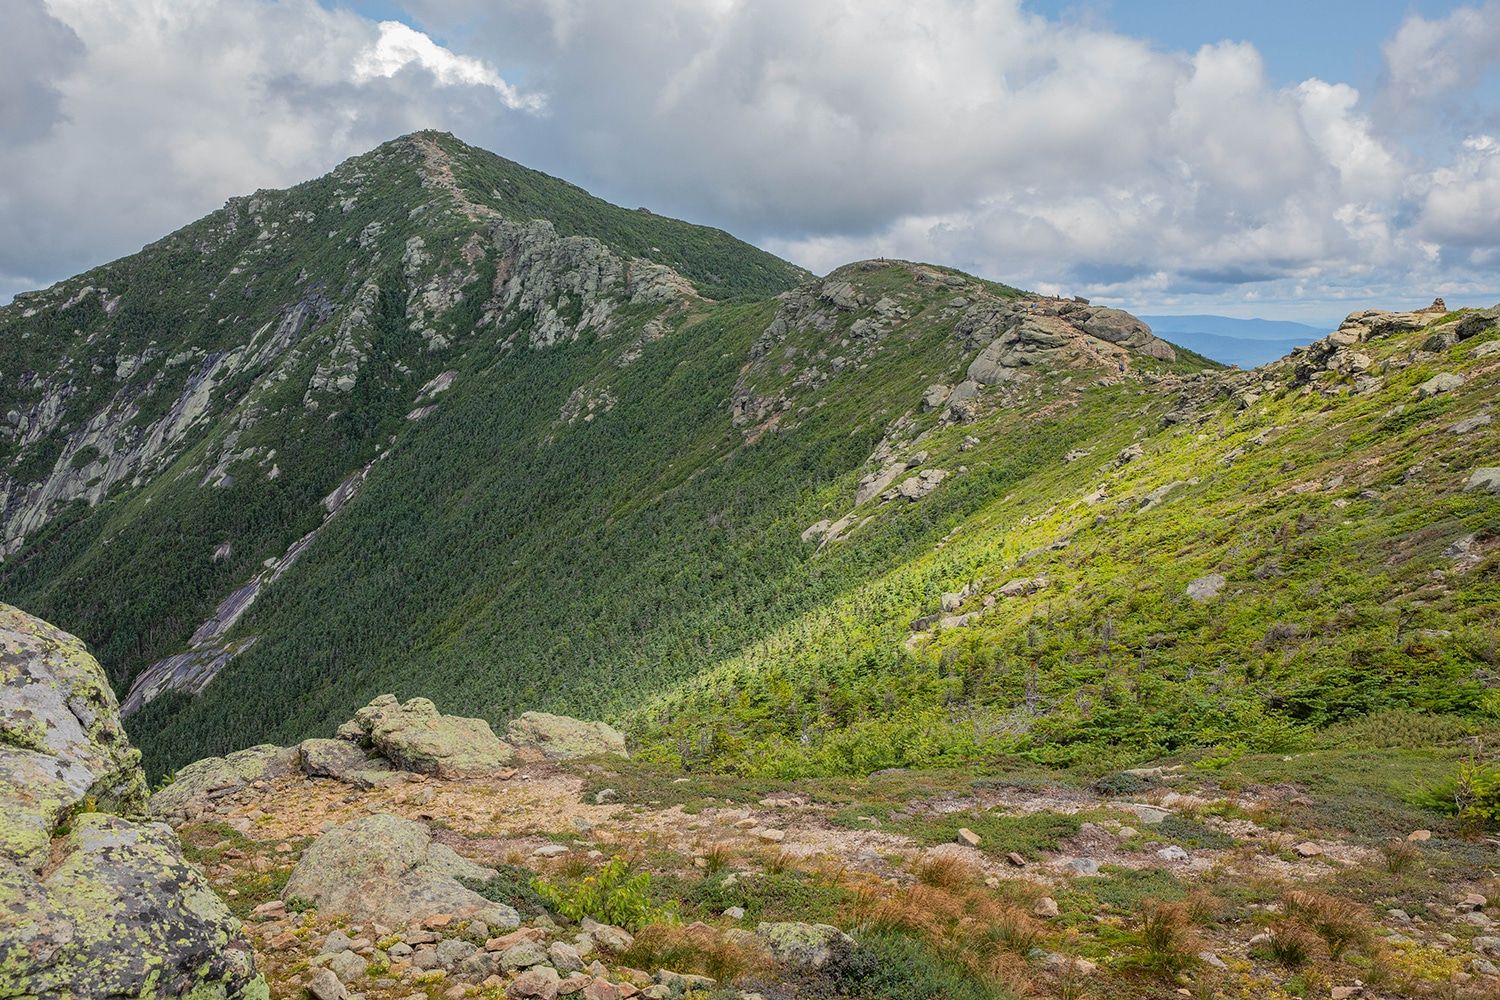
415,736
386,868
94,902
560,738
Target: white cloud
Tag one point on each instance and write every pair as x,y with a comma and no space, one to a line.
973,132
400,45
164,108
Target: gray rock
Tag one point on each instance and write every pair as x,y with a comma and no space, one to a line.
805,946
608,936
106,907
452,951
935,396
1477,322
1206,588
564,957
1486,945
325,985
335,942
1487,479
523,955
559,737
199,785
1081,866
415,736
1487,349
342,761
386,869
1440,383
348,966
1172,854
1470,424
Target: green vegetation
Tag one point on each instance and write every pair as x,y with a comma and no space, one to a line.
647,565
613,895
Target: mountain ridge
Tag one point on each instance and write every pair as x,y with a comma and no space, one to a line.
441,424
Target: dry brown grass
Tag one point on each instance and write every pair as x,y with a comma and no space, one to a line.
944,871
694,949
1341,923
1168,943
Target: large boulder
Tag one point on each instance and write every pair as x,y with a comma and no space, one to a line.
61,742
560,738
805,946
343,761
386,868
195,788
415,736
93,902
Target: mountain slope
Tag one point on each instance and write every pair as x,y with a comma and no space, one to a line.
439,424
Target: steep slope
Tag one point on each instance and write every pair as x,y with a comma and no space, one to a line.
441,425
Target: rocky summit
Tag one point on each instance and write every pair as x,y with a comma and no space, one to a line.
508,594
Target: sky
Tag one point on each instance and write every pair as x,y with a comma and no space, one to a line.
1290,160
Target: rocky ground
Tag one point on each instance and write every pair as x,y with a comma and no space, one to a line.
415,854
1258,879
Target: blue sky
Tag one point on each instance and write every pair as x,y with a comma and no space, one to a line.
1278,159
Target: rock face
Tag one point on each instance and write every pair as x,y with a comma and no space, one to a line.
561,738
60,736
415,736
95,903
386,868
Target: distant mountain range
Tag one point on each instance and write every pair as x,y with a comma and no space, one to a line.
1244,342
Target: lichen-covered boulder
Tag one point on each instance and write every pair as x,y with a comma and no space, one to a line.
200,783
805,946
93,904
343,761
386,868
122,915
559,737
415,736
61,742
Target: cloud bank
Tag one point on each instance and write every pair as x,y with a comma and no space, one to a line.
1057,156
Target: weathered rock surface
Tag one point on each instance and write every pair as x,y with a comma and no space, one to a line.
387,869
342,761
93,903
415,736
560,737
60,736
203,781
805,946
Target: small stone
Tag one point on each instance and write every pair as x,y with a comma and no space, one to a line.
1210,959
735,913
540,983
1345,992
1308,849
1487,479
1082,866
1419,836
348,966
564,957
550,851
1206,588
1173,854
604,796
324,985
1015,859
1440,383
1046,907
967,836
335,942
768,834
